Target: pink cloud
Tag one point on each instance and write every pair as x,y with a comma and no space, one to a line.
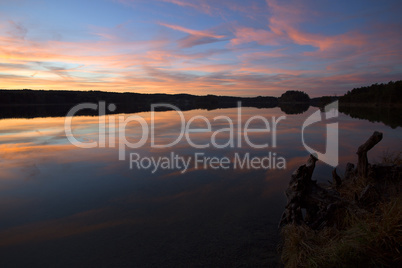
195,37
259,59
192,32
246,35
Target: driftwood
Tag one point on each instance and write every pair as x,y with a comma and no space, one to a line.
362,165
320,202
305,193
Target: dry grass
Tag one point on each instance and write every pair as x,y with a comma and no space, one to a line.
391,158
351,187
374,240
362,238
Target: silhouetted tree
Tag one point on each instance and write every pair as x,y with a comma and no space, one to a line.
294,96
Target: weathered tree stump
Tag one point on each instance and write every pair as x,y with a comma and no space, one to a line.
305,193
362,165
319,202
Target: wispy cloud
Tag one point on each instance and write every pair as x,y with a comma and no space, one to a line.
261,36
195,37
17,30
229,48
192,32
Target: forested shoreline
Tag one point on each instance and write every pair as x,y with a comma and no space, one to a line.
377,103
389,94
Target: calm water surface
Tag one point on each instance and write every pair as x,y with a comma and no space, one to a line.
65,206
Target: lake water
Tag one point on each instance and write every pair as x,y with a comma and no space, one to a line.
61,205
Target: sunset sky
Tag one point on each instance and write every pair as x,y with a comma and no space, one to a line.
223,47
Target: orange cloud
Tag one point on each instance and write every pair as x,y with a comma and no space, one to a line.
192,32
247,35
262,58
195,37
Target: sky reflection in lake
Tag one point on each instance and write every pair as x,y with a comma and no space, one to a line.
64,205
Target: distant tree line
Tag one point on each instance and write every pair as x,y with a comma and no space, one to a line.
33,103
127,101
379,94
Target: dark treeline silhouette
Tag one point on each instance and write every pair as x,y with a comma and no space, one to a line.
377,94
51,97
390,116
376,103
294,108
41,103
293,96
322,101
294,102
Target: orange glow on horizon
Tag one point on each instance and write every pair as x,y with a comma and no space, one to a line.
266,49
